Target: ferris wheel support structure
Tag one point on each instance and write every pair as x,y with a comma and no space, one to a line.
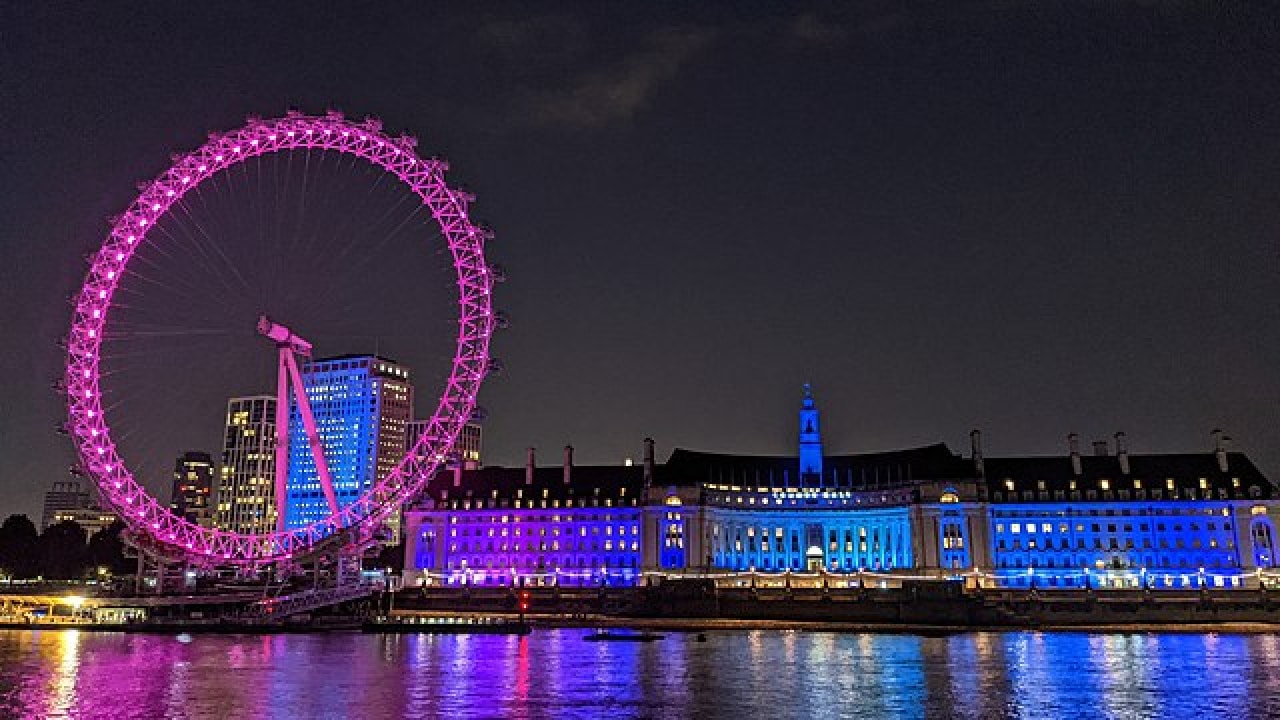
289,346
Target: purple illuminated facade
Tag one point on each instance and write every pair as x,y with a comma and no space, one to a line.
568,525
88,427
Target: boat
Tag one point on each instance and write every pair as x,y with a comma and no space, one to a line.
446,625
607,636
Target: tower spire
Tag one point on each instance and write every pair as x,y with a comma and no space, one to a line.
810,440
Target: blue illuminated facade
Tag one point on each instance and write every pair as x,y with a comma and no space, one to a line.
1121,520
362,406
1110,519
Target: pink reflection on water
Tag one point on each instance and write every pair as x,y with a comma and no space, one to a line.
67,674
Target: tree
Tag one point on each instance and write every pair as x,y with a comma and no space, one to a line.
62,551
18,540
106,550
390,556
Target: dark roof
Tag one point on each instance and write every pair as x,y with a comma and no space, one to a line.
692,468
353,356
896,467
1153,472
586,481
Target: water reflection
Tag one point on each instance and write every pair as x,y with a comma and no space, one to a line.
555,674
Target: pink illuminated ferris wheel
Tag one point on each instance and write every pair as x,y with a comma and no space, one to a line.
100,454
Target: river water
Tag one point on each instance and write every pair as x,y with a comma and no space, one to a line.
555,674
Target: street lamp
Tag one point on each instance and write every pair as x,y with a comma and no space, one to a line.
76,602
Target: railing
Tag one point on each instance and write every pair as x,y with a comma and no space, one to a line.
278,608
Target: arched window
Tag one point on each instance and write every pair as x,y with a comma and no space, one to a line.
1264,555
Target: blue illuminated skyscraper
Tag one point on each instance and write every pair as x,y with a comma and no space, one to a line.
362,405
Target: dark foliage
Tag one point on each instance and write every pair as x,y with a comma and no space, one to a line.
391,556
18,543
61,551
106,550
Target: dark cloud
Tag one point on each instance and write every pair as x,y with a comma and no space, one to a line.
617,92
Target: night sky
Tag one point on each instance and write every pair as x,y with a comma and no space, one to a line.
1029,218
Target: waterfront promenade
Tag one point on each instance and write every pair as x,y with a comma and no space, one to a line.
681,604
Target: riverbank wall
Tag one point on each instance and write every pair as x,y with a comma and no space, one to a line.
923,604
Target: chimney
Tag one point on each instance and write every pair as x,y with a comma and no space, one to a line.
975,446
648,462
568,463
529,464
1122,452
1220,444
1073,444
1100,448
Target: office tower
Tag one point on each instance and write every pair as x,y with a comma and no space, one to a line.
362,405
246,479
192,486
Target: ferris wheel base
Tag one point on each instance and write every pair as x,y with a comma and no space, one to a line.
335,562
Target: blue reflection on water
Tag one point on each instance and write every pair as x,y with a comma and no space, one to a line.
553,673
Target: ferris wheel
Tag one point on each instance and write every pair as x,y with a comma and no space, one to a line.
99,451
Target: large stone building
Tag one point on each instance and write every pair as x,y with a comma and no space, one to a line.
92,520
64,496
1109,519
468,448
